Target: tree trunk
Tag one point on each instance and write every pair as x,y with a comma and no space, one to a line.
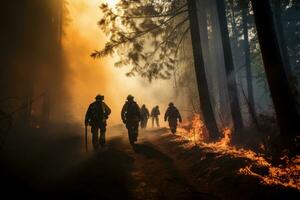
205,104
234,26
284,102
229,68
245,12
209,71
216,65
281,38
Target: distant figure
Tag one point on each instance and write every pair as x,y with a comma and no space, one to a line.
144,116
154,114
96,117
131,117
172,115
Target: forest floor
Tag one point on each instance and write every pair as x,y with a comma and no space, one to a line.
51,163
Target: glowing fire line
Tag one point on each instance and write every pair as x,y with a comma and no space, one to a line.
288,176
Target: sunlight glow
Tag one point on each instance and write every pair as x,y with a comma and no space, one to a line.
88,77
111,3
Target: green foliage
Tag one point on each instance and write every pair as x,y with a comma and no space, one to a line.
145,35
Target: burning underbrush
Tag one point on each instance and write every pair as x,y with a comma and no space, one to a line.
286,174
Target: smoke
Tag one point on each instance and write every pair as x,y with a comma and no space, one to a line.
87,77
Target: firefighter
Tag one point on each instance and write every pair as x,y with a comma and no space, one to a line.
172,115
96,116
154,115
131,117
144,116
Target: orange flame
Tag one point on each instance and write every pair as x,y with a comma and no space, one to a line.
287,175
195,133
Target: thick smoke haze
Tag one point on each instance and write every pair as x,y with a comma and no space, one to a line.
87,77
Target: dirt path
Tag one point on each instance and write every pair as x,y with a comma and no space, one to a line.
42,165
155,174
51,164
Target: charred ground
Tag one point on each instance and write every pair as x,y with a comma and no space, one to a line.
51,163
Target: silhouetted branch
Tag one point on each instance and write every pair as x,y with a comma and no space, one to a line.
169,36
109,47
182,38
162,15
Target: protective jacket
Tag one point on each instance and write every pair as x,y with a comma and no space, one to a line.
172,113
155,112
144,113
97,112
130,112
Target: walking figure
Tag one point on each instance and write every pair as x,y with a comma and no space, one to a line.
172,115
96,116
144,116
131,117
154,114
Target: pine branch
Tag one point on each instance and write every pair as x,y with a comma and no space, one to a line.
162,15
182,38
169,36
108,48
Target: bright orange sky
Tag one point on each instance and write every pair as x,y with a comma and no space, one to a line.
88,77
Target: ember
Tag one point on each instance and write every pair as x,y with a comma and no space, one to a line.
287,175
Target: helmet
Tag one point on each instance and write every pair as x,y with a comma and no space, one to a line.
99,97
130,97
171,104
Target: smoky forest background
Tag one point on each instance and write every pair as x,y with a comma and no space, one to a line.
247,70
244,56
235,65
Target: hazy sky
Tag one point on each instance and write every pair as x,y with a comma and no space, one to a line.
88,77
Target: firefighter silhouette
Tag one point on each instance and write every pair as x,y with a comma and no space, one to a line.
155,116
96,116
131,117
144,116
172,115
